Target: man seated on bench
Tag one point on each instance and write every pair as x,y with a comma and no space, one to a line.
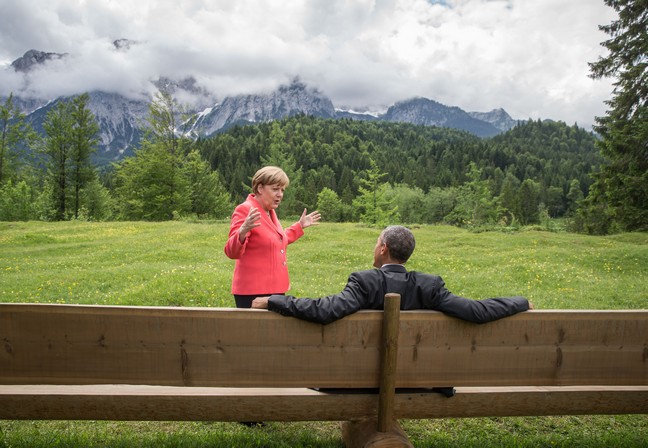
367,289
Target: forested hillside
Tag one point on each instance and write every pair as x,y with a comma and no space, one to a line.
424,174
374,172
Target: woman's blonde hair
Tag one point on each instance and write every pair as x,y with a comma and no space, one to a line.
269,175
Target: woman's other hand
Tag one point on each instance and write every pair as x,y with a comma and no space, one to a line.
310,219
251,221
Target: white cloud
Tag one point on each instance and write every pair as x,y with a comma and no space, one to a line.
528,56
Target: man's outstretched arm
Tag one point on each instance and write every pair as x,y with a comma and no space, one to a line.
482,311
323,310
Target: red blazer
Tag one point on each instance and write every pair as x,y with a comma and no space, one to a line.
261,263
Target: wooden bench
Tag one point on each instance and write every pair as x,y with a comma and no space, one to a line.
79,362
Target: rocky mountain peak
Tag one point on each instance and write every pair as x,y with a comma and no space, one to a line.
34,58
426,112
288,100
497,117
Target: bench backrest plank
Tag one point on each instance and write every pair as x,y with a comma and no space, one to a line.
539,348
77,344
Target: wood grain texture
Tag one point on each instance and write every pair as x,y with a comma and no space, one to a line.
123,402
363,434
200,347
388,362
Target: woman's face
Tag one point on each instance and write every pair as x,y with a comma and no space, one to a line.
270,196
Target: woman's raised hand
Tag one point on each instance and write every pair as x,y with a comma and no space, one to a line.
310,219
251,221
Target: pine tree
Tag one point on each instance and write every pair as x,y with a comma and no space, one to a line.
84,140
149,187
166,177
372,203
620,188
574,196
509,198
529,200
14,132
208,195
58,149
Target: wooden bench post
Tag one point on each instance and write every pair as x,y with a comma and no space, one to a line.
388,361
384,431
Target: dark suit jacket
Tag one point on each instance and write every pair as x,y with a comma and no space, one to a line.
367,289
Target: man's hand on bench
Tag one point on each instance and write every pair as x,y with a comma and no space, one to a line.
260,303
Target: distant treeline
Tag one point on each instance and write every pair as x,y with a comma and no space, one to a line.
536,169
372,172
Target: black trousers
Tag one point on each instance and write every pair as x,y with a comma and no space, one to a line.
245,301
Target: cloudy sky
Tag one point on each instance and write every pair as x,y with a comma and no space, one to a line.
528,56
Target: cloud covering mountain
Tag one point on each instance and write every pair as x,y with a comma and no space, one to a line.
528,56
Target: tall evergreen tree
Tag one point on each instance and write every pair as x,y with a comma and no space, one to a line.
84,140
14,132
58,149
509,198
151,185
208,195
574,196
166,177
529,200
620,188
372,204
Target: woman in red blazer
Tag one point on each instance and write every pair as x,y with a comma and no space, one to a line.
257,241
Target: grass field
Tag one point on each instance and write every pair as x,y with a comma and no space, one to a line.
182,264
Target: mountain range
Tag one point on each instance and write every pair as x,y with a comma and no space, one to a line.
122,120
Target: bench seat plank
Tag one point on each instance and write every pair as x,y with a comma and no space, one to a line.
137,402
216,347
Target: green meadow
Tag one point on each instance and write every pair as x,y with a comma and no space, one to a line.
183,264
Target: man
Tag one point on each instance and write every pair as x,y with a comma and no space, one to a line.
367,289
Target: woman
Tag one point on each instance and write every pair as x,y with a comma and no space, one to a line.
258,242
